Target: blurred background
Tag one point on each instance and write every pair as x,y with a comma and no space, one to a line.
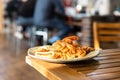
28,23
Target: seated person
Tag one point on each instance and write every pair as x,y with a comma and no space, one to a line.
25,16
45,15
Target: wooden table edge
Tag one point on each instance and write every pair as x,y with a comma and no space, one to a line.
64,71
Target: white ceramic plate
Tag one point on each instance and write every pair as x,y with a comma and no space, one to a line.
88,56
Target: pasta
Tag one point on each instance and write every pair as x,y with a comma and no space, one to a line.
66,48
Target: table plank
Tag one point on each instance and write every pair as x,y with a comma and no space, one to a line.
109,54
110,50
108,76
93,64
107,66
106,57
116,79
102,71
86,68
55,71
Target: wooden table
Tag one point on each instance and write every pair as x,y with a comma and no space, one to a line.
106,66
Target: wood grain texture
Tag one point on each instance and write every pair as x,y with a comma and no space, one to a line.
105,66
105,32
55,71
13,66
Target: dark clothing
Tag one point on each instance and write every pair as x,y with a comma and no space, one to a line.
45,15
46,10
12,8
27,8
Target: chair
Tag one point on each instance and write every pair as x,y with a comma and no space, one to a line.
34,33
32,41
105,32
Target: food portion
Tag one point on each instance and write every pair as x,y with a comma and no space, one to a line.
66,49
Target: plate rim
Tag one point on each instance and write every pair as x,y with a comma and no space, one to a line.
97,52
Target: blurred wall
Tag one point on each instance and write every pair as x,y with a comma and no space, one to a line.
1,16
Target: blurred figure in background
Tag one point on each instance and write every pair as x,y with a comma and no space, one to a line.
25,16
10,15
46,15
26,11
12,8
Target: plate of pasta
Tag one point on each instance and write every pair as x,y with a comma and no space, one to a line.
63,51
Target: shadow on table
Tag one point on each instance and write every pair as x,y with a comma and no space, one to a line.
86,66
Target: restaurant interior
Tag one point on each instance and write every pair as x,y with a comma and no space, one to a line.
96,23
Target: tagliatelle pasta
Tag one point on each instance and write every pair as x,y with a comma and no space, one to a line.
66,48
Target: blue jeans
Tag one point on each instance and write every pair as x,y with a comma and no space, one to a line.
24,21
60,25
63,28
